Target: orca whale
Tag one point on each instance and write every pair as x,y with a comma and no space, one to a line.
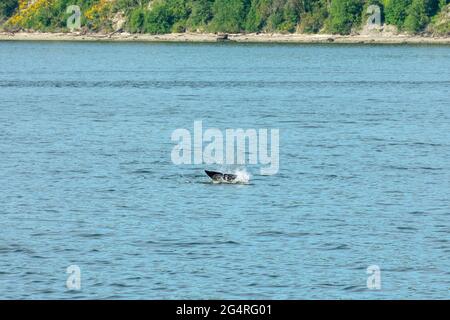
219,176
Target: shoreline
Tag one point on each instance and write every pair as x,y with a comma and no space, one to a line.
239,38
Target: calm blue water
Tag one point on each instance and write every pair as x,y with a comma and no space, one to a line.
87,179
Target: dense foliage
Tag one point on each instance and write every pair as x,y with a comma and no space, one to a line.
344,14
7,8
165,16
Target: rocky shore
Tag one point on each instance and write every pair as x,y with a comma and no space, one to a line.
244,38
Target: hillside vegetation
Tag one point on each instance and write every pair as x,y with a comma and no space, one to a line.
232,16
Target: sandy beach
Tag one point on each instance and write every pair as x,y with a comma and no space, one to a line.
244,38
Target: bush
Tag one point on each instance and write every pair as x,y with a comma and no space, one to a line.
46,15
179,26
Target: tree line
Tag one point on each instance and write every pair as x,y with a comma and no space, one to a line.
232,16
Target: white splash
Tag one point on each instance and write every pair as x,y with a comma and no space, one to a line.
242,176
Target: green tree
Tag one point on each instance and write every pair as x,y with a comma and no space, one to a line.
159,19
274,21
344,14
136,22
7,8
200,13
441,22
229,15
166,16
417,17
258,13
129,5
433,6
291,15
313,16
443,4
396,12
163,16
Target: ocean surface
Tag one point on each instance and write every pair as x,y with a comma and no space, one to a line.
86,176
